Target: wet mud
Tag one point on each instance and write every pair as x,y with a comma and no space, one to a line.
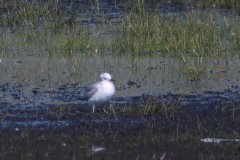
63,107
60,121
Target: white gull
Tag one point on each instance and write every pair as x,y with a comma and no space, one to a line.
100,92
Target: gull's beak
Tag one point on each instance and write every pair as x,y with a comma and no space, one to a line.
112,80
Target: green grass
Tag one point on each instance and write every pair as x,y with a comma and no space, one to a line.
202,38
139,31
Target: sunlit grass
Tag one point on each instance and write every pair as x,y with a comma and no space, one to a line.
139,31
192,36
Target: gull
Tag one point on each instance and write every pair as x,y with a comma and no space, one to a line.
100,92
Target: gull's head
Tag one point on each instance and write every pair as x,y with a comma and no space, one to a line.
106,77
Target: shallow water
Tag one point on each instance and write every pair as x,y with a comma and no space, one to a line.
32,86
147,74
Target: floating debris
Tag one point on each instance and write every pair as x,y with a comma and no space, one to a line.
218,140
163,156
96,149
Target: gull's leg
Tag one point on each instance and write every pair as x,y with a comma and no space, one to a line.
113,110
93,107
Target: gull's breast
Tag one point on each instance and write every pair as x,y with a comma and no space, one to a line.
104,93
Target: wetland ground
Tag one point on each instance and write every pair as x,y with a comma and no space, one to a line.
176,67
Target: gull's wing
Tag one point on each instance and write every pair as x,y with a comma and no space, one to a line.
89,92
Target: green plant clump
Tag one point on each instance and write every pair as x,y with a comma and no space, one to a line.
141,30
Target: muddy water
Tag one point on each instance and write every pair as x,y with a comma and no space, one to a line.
134,75
29,80
31,86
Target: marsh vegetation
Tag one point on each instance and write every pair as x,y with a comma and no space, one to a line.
202,38
51,50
